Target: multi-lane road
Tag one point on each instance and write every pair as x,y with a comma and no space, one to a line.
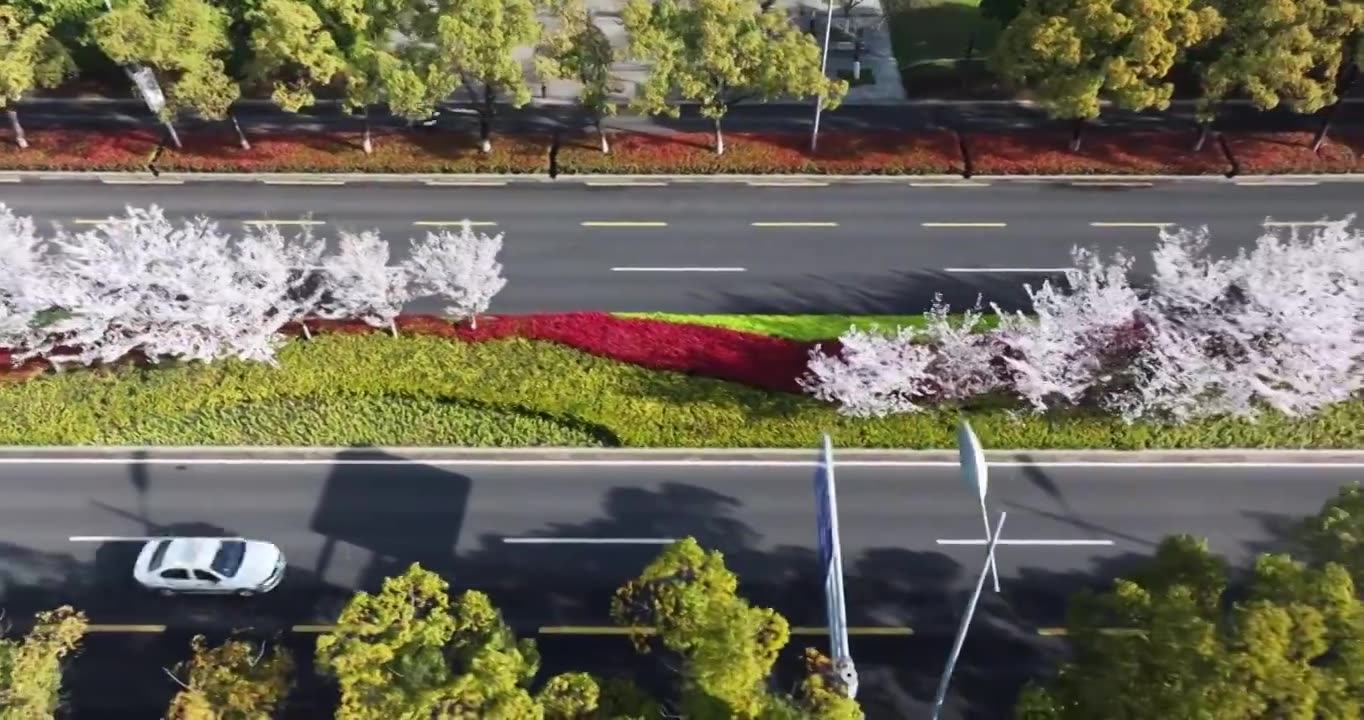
735,247
550,539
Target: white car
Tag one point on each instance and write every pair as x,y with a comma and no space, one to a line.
209,565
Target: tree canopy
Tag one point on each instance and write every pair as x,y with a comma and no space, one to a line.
578,50
1074,53
722,52
31,668
30,57
1167,643
237,680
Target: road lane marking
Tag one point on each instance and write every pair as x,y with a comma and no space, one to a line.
1007,270
586,541
622,223
965,224
134,181
794,224
778,183
1061,543
118,628
503,462
1131,224
304,182
283,222
949,184
1111,183
8,179
466,183
99,222
626,183
1062,632
1276,183
312,628
444,223
679,270
1293,223
136,538
639,630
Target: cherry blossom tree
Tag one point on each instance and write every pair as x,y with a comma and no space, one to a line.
361,284
461,267
1061,352
879,373
1280,326
286,271
23,276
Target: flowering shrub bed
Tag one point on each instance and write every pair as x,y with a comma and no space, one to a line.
364,388
1033,152
1291,153
931,152
1102,152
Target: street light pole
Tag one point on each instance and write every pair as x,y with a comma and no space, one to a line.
824,70
966,619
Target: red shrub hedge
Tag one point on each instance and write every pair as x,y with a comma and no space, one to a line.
759,361
1102,152
1289,153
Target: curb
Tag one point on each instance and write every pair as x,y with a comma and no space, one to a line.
474,179
1353,459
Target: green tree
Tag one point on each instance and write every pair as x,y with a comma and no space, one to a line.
1336,534
31,669
184,43
409,75
719,53
30,57
409,652
1166,643
1074,53
232,681
477,38
571,696
686,603
1280,52
578,50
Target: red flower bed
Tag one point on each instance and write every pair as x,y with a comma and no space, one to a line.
932,152
929,152
1102,152
1289,153
759,361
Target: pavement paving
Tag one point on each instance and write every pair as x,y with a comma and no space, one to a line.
551,542
642,246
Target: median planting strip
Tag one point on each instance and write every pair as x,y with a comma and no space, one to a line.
924,152
578,379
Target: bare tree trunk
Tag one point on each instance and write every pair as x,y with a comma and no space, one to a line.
19,138
241,136
601,133
1204,132
368,142
307,334
485,121
393,325
174,136
1349,75
1077,134
719,139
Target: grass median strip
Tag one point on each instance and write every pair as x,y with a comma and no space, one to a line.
372,389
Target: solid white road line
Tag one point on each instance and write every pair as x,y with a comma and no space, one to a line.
793,224
626,183
1006,270
132,181
283,222
130,538
949,184
466,183
303,182
456,223
1003,541
1111,183
622,223
679,269
1131,224
586,541
1293,223
9,179
964,224
1276,183
778,183
503,462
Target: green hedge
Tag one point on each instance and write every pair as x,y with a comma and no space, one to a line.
373,389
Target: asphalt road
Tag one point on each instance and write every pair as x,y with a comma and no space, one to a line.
550,543
735,248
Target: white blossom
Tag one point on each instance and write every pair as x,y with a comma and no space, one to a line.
361,284
1281,326
461,267
24,275
1059,353
286,272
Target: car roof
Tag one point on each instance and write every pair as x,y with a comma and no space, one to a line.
191,552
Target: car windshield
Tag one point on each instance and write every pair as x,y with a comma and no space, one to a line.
158,555
228,559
